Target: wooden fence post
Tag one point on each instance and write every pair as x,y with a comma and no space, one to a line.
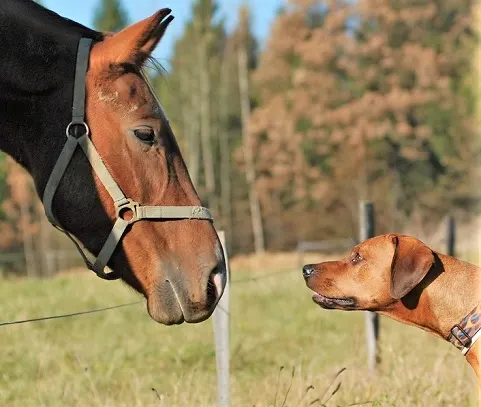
366,231
451,240
221,318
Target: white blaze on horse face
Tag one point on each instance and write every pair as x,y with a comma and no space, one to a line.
111,98
133,107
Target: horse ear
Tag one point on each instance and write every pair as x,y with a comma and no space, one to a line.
411,262
135,43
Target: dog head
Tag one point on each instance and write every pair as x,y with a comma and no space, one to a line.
377,273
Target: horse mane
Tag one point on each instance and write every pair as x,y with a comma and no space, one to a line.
28,11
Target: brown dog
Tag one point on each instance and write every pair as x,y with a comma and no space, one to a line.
399,276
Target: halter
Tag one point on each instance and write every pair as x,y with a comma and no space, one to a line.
78,135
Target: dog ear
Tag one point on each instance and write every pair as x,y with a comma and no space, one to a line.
411,262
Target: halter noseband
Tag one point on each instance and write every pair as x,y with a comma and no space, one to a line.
78,135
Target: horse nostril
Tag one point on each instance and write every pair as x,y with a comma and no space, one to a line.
216,283
308,270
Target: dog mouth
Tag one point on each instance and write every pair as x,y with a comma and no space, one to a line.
334,303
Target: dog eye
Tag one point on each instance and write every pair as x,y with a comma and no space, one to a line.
356,258
145,134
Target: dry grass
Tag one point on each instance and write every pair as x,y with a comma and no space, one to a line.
117,358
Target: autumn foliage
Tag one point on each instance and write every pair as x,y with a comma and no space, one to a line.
365,100
348,101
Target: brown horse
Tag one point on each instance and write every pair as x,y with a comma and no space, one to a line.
176,263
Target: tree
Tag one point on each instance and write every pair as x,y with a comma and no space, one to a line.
410,108
367,99
225,143
196,69
298,83
244,44
110,16
475,78
21,210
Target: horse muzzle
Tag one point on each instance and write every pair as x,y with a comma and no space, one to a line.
176,299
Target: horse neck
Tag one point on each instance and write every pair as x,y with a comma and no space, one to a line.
37,65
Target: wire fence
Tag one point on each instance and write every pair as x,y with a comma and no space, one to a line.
243,280
221,316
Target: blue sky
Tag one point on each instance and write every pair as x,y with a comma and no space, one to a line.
263,11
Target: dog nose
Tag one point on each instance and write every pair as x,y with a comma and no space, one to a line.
308,270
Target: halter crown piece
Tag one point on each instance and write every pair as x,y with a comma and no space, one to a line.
78,135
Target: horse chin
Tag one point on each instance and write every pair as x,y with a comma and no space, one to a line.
164,307
168,304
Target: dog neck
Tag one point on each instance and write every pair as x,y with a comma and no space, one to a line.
432,307
474,359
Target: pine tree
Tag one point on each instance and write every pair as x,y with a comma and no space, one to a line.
110,16
194,80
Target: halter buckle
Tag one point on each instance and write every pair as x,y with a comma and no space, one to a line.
77,134
126,207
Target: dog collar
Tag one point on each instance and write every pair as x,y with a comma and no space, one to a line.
465,334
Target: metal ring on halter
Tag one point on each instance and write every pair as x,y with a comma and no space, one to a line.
71,124
131,206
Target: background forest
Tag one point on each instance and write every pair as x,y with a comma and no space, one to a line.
346,101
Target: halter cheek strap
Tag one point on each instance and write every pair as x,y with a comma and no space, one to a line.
127,210
465,334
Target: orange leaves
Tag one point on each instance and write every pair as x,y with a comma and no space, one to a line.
345,115
19,181
21,203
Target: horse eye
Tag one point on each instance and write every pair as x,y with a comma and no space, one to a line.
145,134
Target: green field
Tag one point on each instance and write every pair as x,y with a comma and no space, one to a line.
122,358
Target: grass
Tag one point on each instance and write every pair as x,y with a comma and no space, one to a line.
122,358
